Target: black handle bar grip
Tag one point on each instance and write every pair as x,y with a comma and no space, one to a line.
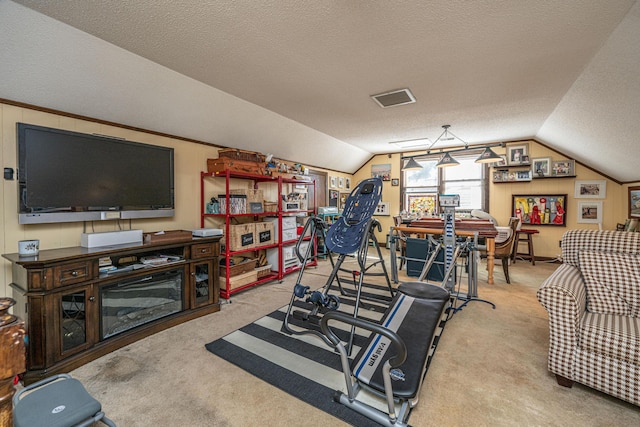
395,339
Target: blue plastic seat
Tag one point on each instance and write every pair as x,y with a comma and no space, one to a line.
346,235
57,401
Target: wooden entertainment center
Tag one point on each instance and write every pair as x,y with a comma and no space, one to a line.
77,307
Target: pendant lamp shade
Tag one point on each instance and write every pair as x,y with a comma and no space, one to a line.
447,161
411,165
488,156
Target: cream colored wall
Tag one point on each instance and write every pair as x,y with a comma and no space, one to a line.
190,159
390,193
546,242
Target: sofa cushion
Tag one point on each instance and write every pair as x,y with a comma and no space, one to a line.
611,335
613,282
574,241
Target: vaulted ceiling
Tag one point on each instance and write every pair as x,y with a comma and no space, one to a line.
566,73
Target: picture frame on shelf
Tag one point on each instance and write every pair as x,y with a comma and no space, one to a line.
590,189
524,175
541,166
518,154
564,168
590,212
502,162
634,202
540,209
499,176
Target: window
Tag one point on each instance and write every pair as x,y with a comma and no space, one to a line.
421,187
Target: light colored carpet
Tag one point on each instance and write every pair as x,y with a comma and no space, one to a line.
489,369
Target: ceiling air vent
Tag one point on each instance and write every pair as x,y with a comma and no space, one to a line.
394,98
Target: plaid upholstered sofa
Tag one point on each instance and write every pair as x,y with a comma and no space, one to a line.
593,303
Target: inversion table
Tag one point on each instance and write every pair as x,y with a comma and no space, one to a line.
394,362
351,234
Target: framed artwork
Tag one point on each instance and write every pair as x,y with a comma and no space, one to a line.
501,162
382,209
395,182
540,209
591,189
541,166
333,182
341,182
333,198
518,154
381,171
634,202
564,168
422,204
347,183
590,212
343,200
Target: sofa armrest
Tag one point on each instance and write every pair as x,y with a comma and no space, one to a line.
564,296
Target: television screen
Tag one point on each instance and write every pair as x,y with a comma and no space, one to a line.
67,176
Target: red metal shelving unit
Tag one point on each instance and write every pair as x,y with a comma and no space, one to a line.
278,272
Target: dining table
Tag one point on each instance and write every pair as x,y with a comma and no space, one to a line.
465,227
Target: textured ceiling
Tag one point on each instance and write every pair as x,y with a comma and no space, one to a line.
564,72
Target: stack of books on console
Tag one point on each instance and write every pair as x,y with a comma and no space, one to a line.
105,265
155,260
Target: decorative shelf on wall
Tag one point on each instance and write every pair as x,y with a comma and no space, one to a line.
554,177
511,175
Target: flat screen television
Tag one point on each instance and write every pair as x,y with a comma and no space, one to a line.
67,176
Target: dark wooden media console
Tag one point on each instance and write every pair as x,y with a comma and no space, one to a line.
82,303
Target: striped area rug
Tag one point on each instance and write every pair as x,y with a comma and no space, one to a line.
303,365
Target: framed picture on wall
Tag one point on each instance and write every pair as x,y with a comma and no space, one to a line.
382,209
590,212
341,182
343,200
333,198
518,154
564,168
333,182
540,209
395,182
347,183
541,166
382,171
590,189
634,202
501,162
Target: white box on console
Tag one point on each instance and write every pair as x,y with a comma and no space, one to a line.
109,238
207,232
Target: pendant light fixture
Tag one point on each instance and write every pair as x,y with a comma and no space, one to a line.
411,165
447,161
487,155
